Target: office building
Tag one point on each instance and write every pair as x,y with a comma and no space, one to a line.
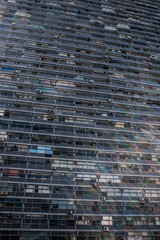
80,120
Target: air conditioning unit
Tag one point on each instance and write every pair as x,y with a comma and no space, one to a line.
54,168
70,169
53,84
147,199
3,193
8,46
39,92
103,198
19,86
141,199
14,148
94,184
50,114
38,98
7,113
17,105
110,181
105,229
115,165
70,212
91,81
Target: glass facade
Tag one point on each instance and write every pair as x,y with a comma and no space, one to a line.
80,120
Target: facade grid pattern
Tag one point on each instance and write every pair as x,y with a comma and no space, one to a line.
79,120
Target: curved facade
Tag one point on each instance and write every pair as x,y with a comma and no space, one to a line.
80,120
